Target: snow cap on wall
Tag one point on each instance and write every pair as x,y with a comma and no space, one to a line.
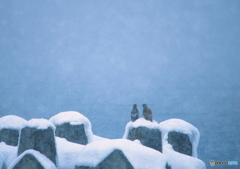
40,124
12,122
74,118
181,126
141,122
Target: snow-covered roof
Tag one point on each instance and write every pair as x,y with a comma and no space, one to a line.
139,156
67,153
40,124
181,126
44,161
141,122
74,118
12,122
180,161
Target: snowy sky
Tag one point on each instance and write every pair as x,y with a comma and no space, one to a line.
101,57
61,53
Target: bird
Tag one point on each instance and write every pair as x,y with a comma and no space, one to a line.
147,113
134,113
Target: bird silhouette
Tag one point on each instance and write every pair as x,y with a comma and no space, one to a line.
147,113
134,113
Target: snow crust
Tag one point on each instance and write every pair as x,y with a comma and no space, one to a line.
12,122
67,153
180,161
141,122
40,124
181,126
74,118
45,162
139,156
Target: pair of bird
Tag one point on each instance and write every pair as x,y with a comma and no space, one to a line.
147,113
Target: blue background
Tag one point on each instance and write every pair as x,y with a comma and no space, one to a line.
100,57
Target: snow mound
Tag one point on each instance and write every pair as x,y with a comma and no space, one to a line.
40,124
74,118
181,126
139,156
12,122
141,122
180,161
45,162
67,153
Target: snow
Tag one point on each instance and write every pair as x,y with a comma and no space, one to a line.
175,159
70,154
181,126
67,153
40,124
74,118
98,138
11,122
180,161
8,153
139,156
141,122
137,142
45,162
1,160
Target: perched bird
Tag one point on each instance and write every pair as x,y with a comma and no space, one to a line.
147,113
134,113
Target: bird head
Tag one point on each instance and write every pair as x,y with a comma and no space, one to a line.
144,105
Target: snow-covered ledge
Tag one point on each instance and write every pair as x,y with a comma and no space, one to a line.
181,126
73,118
